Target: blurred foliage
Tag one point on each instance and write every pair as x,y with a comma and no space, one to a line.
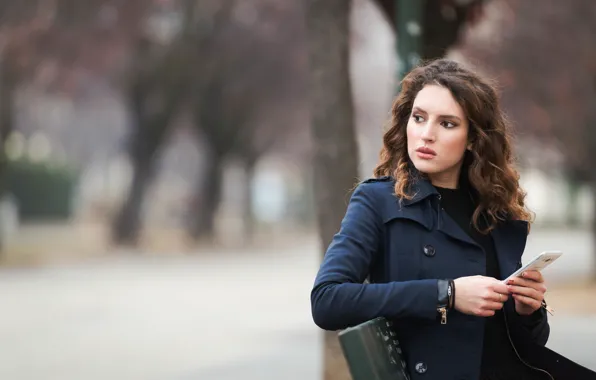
43,190
545,61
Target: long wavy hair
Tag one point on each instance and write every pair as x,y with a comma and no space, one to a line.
490,162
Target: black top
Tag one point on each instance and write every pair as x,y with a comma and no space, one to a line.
499,360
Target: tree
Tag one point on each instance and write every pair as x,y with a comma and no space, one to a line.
442,20
159,85
333,131
21,28
155,95
50,43
335,146
247,85
229,71
72,38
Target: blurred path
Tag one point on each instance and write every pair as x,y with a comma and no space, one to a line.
235,315
161,318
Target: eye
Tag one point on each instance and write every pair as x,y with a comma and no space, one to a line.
448,124
417,118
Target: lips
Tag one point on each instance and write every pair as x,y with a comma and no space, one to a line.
425,150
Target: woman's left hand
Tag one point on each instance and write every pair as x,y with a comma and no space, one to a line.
528,292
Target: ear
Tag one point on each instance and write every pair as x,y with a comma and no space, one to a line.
469,147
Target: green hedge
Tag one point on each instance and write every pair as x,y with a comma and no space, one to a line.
42,190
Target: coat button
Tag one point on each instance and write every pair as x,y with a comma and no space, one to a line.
429,250
420,367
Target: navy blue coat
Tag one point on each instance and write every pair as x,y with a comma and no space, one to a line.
402,251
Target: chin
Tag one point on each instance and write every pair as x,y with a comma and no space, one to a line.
426,167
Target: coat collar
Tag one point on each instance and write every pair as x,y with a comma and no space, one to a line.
416,209
421,188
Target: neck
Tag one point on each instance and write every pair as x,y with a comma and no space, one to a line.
445,180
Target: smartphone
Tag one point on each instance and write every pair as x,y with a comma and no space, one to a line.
537,263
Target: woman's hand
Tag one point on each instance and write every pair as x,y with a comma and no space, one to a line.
479,295
528,292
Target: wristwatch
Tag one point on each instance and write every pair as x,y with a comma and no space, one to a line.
445,299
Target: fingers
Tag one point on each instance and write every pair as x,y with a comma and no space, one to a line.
533,275
491,305
488,309
533,303
526,292
499,287
493,301
492,295
526,283
485,313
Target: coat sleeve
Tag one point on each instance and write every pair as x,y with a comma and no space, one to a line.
340,299
535,324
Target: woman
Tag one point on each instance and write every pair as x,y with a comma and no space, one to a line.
435,231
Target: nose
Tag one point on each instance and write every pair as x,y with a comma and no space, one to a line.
428,133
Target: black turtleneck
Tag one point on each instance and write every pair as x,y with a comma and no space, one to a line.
499,361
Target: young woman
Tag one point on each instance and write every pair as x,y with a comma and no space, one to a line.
435,232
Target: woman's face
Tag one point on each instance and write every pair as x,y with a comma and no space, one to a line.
437,135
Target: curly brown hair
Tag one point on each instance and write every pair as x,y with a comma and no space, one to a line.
491,171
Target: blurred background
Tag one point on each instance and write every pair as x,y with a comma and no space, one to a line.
172,170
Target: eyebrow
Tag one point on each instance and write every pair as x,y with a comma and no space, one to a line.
442,116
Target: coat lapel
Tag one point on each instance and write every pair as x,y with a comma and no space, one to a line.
417,209
449,227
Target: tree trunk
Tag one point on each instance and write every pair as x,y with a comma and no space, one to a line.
149,135
7,101
8,86
442,21
248,215
573,188
334,135
203,211
127,225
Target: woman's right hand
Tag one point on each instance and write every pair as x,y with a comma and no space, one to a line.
479,295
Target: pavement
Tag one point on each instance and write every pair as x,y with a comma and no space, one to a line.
238,314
